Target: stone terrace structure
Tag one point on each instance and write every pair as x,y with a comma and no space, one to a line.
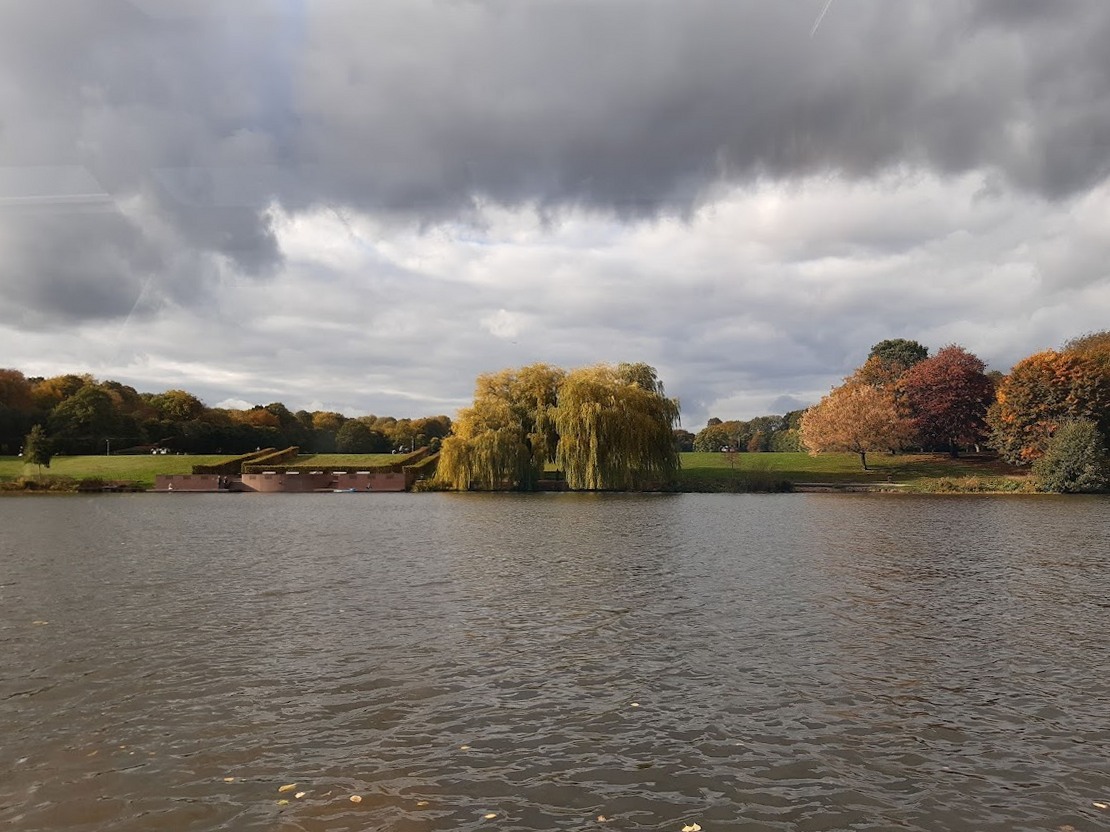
274,476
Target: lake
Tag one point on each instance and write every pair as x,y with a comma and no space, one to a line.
554,661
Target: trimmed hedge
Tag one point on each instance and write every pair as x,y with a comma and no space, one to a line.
268,461
234,465
426,467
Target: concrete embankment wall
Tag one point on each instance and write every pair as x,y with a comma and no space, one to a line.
191,482
301,482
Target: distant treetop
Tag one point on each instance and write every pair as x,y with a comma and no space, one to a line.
900,351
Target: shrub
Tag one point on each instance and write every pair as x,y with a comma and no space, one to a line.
1074,461
972,485
48,483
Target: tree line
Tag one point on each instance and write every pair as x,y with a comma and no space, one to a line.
777,434
613,427
1051,411
77,414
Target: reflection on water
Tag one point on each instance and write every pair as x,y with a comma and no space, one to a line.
797,662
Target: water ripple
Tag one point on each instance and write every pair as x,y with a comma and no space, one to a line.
529,663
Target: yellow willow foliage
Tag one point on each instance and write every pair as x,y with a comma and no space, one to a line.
855,418
504,439
615,428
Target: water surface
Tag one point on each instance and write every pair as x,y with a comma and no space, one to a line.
794,662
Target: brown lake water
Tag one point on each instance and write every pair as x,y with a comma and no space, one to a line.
492,662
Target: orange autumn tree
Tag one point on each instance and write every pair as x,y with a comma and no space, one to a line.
855,418
1041,393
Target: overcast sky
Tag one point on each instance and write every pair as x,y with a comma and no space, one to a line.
360,206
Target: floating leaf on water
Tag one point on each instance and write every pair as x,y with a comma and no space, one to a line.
283,803
602,819
299,795
1100,805
693,827
40,622
464,748
356,798
93,753
489,815
422,803
229,779
635,704
288,787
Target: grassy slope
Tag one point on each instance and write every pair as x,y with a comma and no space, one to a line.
353,460
698,469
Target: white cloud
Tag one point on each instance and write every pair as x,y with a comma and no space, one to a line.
504,324
768,296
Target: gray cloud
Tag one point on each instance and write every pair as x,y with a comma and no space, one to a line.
150,149
426,110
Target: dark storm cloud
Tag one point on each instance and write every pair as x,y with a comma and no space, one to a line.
200,115
640,106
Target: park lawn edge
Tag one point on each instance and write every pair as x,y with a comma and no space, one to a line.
700,472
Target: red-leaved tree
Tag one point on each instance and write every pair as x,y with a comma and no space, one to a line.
947,397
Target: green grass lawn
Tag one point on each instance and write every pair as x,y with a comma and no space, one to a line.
140,468
143,468
909,469
700,471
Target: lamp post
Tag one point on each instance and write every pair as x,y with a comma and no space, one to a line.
107,447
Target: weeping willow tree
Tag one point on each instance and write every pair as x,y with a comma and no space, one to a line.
504,439
615,427
608,427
